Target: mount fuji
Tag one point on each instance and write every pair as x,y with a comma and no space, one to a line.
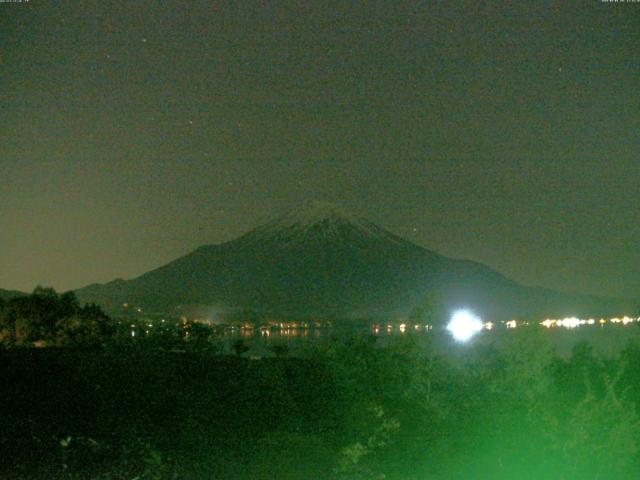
322,262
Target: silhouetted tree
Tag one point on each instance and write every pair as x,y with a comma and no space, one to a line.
68,305
279,350
7,338
84,330
199,335
601,438
240,347
46,316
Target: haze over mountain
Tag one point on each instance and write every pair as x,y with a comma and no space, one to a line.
322,262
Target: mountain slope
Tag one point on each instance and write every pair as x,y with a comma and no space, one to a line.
322,262
9,294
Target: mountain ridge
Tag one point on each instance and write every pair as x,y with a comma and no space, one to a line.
9,294
322,261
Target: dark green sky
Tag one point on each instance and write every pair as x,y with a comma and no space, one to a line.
133,132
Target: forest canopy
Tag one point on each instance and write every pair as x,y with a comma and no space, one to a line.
47,318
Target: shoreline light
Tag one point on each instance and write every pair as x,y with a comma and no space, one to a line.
464,325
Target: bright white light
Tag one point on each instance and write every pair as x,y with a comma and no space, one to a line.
571,322
464,325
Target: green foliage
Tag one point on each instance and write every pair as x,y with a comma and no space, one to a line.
357,408
199,336
240,347
279,350
82,331
522,369
601,437
138,460
46,318
373,386
287,455
352,459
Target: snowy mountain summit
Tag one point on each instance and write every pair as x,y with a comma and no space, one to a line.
317,220
315,211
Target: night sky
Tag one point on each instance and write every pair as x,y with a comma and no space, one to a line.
133,132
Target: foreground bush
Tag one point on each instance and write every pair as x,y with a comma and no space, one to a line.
352,409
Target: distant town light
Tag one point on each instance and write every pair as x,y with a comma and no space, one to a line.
571,322
464,325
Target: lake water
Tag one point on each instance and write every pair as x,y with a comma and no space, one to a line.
606,340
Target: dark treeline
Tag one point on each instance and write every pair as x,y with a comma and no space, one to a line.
345,409
48,318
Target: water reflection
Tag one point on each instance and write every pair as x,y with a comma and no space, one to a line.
612,334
